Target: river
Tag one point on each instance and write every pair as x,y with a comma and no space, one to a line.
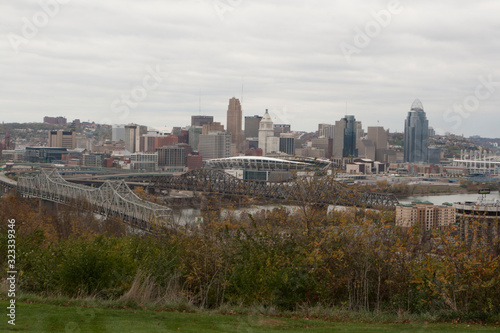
189,215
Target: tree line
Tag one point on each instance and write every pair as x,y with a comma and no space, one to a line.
354,259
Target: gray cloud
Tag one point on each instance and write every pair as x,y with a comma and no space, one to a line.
287,53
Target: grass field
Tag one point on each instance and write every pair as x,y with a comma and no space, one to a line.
39,317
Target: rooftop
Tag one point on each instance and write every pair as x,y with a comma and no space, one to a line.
417,105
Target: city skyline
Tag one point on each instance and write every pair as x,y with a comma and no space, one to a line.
177,59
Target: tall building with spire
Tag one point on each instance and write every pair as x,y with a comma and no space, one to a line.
416,134
267,141
234,123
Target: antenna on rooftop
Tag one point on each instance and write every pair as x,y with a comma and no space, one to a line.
199,107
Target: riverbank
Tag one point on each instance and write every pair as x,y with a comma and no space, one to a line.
436,190
449,197
401,190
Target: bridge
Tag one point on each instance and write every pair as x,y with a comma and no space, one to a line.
320,190
113,198
6,184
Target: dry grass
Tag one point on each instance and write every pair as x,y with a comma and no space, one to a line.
144,290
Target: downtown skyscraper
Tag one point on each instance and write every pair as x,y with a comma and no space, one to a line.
416,134
347,131
234,123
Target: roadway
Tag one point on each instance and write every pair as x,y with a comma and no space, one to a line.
7,180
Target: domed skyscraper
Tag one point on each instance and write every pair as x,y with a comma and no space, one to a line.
417,106
416,134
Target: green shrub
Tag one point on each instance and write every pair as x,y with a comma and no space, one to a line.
99,266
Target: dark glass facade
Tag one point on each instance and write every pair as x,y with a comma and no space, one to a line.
416,134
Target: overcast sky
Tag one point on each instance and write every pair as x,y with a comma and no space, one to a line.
308,61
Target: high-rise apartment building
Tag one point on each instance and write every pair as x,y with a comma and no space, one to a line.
63,139
287,143
252,126
324,144
273,145
194,136
416,134
171,157
132,138
215,145
147,143
201,120
151,141
366,149
425,214
234,123
118,133
144,161
183,136
194,162
95,160
326,130
434,155
281,128
187,148
216,126
7,144
167,140
378,136
347,131
85,143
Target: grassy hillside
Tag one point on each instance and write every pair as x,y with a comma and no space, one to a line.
41,317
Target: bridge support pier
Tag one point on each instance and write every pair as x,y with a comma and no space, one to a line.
211,207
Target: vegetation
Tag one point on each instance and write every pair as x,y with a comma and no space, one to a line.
354,261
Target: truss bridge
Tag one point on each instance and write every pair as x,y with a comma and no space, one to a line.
318,190
113,198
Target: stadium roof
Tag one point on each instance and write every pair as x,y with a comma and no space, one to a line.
258,163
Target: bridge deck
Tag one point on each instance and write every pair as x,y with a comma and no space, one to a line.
7,180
